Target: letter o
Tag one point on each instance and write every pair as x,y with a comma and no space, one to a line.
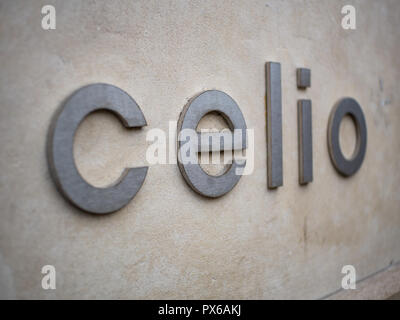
60,149
347,106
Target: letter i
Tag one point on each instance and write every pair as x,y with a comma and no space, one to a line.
304,117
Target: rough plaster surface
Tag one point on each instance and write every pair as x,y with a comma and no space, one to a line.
383,285
169,242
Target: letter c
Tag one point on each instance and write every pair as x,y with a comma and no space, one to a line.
60,149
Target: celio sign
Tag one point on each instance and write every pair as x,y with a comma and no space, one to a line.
107,97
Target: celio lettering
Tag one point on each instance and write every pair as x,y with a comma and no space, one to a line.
108,97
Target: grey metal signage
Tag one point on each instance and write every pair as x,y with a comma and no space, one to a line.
107,97
304,115
304,118
274,125
60,149
303,76
347,106
197,108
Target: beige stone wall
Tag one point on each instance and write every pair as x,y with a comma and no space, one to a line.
169,242
381,285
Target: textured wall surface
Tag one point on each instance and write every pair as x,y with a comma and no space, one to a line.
170,242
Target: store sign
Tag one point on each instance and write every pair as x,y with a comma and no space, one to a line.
189,142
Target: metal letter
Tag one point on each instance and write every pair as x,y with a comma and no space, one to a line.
304,116
60,149
303,78
274,125
199,106
347,106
